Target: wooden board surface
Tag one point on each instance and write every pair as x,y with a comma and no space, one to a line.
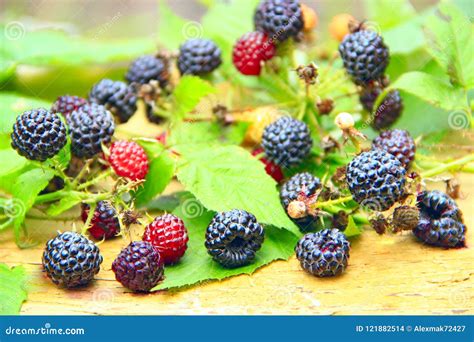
391,274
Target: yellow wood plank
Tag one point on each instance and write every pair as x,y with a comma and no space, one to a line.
391,274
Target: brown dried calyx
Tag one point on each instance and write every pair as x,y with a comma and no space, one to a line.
405,217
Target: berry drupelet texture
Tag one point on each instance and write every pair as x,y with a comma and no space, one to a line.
147,68
397,142
116,96
250,51
324,253
89,127
67,104
441,223
128,159
71,260
376,179
287,141
300,184
388,111
138,267
365,56
233,238
38,134
279,19
104,223
198,57
169,236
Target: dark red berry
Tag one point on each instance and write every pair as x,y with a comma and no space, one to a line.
67,104
104,223
169,236
271,168
128,159
138,267
250,51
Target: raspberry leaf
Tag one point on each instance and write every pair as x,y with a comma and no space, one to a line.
228,177
160,173
188,93
436,91
13,289
197,266
451,37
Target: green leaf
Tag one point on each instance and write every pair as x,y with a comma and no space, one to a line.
228,177
197,266
191,133
64,204
452,43
11,161
352,230
12,105
25,190
387,14
13,289
188,93
63,49
172,29
433,90
159,175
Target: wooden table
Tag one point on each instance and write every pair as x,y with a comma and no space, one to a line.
390,274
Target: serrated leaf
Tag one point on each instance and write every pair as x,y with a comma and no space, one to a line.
352,230
186,133
13,289
159,175
228,177
188,93
197,266
451,36
434,90
64,204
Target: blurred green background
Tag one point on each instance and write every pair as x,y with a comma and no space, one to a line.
53,47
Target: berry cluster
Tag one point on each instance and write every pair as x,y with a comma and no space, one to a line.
375,179
441,222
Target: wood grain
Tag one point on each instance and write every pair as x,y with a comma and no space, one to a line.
391,274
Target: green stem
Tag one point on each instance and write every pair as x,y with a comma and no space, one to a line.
452,166
95,180
81,173
358,218
332,202
51,218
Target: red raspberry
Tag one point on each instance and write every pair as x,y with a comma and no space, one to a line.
272,169
128,159
104,223
169,236
250,51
